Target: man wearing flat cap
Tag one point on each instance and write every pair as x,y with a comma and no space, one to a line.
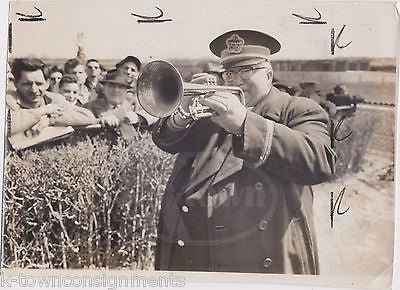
239,198
112,107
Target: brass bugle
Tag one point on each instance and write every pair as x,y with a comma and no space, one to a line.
160,90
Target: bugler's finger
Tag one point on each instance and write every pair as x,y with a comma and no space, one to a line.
214,104
207,114
216,97
225,95
209,94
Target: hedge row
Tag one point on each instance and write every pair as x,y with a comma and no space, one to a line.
85,205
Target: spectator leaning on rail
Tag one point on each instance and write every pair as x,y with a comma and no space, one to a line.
32,107
112,108
239,198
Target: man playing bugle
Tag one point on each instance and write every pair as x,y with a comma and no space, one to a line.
239,198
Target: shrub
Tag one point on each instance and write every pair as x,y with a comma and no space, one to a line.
85,205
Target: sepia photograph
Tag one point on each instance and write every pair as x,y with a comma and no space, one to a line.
224,141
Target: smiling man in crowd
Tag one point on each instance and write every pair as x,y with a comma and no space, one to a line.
31,107
239,198
129,68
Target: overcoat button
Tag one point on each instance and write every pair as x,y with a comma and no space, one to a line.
267,262
185,208
181,243
262,225
219,228
258,186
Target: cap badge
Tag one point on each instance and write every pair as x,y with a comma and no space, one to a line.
235,44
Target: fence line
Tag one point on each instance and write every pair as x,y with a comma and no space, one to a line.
354,77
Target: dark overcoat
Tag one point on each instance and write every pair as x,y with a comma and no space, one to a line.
244,204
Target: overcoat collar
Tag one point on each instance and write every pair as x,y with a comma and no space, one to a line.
222,162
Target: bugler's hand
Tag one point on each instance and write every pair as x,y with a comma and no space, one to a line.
200,78
230,112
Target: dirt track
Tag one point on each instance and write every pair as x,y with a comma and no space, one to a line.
361,241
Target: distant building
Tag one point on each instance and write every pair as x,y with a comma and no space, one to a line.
383,64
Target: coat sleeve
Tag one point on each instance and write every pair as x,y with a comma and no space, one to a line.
19,120
74,116
150,120
192,139
298,150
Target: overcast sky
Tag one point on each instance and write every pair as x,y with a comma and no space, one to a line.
112,32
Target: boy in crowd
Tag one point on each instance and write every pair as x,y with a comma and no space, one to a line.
76,67
69,88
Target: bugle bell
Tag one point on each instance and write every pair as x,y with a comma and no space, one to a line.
160,90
